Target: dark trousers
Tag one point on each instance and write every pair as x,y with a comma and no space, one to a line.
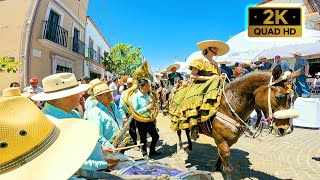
133,131
144,128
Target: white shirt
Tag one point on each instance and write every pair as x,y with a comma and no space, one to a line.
31,89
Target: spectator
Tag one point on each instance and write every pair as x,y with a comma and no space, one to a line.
302,87
265,65
284,64
34,86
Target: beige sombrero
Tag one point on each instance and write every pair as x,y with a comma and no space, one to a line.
92,84
11,91
34,147
163,72
297,53
175,65
223,61
317,74
101,89
248,62
262,57
223,48
58,86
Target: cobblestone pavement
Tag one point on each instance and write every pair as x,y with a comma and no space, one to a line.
294,156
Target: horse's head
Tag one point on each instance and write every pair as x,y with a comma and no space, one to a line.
276,100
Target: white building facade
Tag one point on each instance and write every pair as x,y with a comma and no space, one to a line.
95,47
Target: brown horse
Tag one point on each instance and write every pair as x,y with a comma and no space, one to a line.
239,100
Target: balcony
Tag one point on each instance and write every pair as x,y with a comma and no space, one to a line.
78,46
55,33
92,54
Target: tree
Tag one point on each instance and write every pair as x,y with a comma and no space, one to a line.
8,64
123,59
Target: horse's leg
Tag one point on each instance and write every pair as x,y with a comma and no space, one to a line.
224,153
180,145
259,116
189,139
217,167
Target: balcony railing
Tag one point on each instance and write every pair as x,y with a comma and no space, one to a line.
92,54
55,33
78,46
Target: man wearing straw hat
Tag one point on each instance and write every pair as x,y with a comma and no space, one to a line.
246,67
174,74
61,91
105,114
265,65
41,148
302,87
284,64
225,68
90,103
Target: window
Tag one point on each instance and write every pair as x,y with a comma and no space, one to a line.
61,69
98,55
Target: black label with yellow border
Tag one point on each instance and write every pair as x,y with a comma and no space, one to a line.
275,22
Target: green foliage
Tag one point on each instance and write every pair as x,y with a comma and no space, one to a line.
123,59
8,64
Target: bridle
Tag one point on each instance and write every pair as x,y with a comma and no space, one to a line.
271,115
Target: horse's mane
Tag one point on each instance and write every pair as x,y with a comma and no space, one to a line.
235,83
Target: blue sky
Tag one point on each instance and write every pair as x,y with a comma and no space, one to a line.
168,29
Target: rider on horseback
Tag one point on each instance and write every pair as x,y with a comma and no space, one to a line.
198,102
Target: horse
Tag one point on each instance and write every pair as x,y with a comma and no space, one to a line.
269,91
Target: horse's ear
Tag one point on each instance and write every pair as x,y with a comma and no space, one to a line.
295,74
276,72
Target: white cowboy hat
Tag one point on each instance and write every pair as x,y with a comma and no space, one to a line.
92,84
163,72
223,61
175,65
262,57
101,89
34,147
58,86
223,48
297,53
317,74
248,62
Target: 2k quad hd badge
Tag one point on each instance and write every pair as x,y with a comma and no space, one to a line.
275,22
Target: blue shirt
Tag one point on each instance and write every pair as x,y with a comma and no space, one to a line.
109,123
48,109
140,102
95,160
266,66
284,65
88,105
301,63
227,69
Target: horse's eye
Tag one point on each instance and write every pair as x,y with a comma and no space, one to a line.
278,97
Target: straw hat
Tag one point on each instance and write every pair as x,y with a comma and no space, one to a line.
11,91
223,61
317,74
101,89
223,48
92,84
176,65
262,57
33,147
163,72
58,86
297,53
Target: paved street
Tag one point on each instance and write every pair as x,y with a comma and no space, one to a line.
295,156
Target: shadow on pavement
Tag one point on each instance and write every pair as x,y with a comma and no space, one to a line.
316,158
204,157
165,149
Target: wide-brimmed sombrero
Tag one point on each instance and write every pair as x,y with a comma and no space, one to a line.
92,84
101,89
175,65
163,72
223,48
58,86
248,62
34,147
223,61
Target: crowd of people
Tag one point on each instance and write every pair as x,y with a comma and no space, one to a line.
102,102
